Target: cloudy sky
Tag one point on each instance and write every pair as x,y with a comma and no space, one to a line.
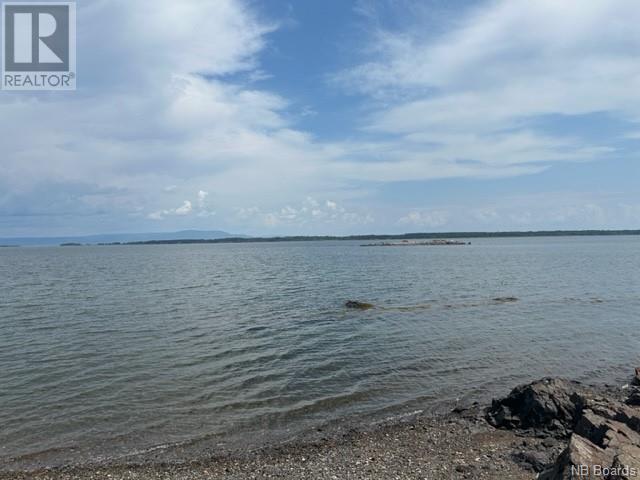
332,117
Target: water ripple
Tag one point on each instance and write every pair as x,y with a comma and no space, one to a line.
109,351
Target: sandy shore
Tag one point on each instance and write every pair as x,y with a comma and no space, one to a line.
459,445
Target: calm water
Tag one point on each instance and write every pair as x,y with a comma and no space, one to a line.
106,351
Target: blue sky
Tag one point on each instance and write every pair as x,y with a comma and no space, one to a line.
332,117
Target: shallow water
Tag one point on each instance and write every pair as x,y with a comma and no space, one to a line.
105,351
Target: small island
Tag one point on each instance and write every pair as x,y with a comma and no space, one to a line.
416,243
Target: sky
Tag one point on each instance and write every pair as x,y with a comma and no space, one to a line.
332,117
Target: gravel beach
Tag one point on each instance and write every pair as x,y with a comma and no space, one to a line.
460,445
546,429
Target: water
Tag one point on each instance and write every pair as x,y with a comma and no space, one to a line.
109,351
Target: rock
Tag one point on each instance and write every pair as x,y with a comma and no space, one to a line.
619,412
537,461
634,397
581,454
553,405
463,468
605,443
505,299
627,463
354,304
605,432
636,378
604,429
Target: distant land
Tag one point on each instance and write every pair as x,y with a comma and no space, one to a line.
404,236
218,236
117,238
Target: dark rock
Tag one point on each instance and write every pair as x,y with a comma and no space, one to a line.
604,429
579,454
605,442
505,299
464,468
354,304
634,397
552,405
636,378
627,463
536,461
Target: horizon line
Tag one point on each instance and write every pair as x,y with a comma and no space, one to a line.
232,238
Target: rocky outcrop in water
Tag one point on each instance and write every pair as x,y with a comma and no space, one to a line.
415,243
505,299
356,305
603,431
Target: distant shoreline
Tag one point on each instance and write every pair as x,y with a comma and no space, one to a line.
197,237
405,236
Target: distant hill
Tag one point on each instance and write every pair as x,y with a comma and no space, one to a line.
120,237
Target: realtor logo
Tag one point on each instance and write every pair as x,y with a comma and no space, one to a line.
38,46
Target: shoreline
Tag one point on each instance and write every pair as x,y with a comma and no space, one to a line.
97,240
417,446
522,436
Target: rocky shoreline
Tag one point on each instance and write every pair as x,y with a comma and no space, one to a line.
601,430
551,429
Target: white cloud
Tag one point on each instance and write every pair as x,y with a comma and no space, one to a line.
486,215
632,135
426,218
185,209
168,109
523,46
201,208
145,121
308,214
202,198
539,211
475,92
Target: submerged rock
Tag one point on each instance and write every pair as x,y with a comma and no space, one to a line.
505,299
356,305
